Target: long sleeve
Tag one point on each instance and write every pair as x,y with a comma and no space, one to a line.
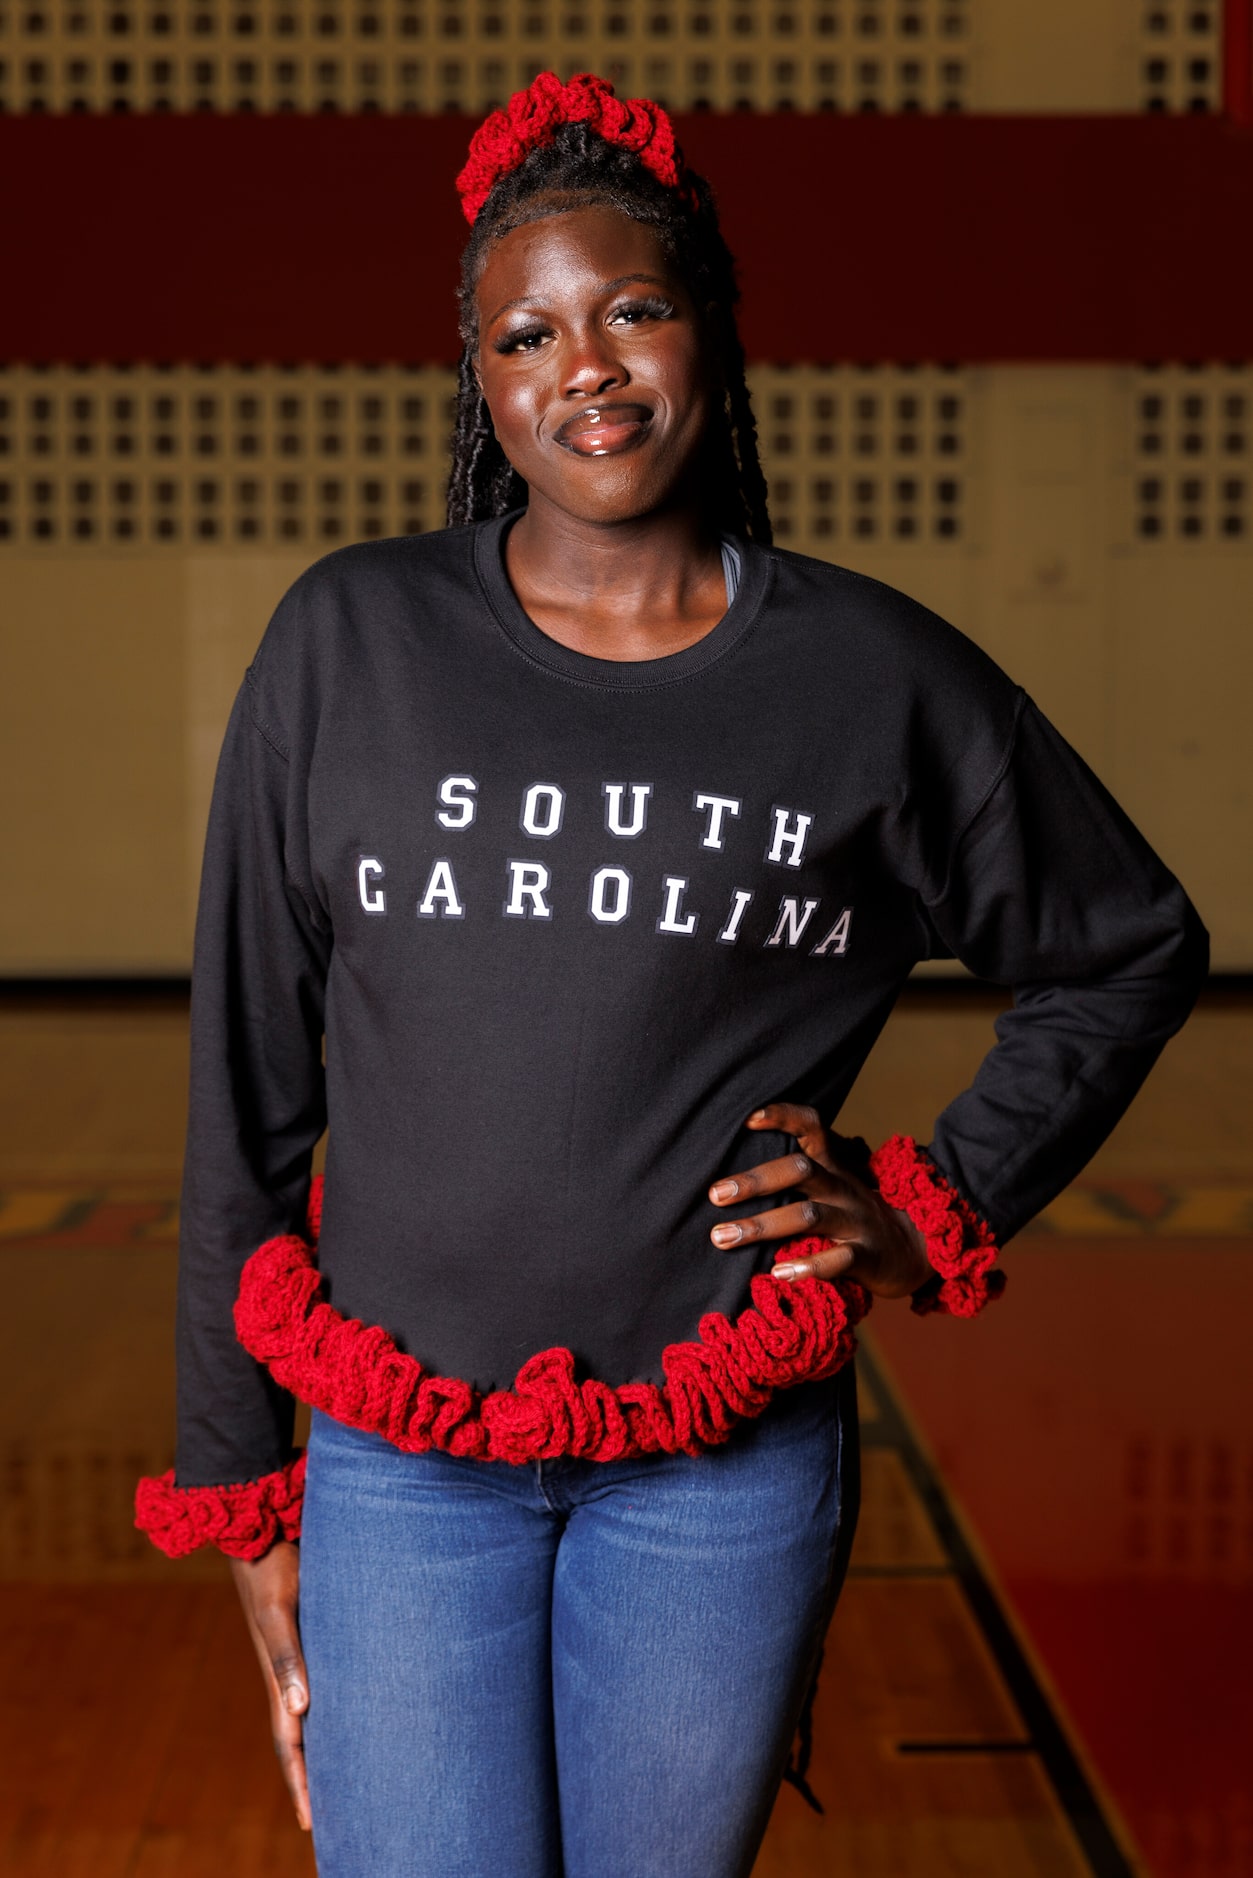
257,1097
1050,889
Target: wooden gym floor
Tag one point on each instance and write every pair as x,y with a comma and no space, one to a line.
1040,1667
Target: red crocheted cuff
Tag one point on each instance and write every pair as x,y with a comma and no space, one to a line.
242,1520
959,1244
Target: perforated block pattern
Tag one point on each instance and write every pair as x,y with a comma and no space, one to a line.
1190,430
1179,46
152,458
165,458
870,454
468,55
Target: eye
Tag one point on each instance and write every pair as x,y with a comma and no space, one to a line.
521,339
635,312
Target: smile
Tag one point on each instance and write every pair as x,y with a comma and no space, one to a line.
605,429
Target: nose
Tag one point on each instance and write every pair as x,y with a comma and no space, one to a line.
591,369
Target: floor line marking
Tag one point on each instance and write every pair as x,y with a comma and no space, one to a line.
967,1747
899,1571
1076,1795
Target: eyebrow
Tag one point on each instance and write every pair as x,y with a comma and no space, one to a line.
609,286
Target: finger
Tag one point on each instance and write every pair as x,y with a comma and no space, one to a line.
802,1122
290,1748
269,1592
840,1262
289,1698
287,1666
767,1177
789,1118
279,1647
786,1222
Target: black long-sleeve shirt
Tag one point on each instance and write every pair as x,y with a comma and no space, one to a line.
565,921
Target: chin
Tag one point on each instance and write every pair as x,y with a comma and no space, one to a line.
618,501
615,515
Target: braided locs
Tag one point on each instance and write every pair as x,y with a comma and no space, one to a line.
578,168
482,482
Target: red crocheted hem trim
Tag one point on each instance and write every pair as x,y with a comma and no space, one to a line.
354,1372
960,1245
243,1520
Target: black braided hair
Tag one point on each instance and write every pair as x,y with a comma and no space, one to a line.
579,168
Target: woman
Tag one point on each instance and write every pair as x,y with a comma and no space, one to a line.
597,839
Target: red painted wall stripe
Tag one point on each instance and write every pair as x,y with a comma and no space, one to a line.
971,238
1238,61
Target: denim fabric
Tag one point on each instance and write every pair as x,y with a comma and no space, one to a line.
566,1669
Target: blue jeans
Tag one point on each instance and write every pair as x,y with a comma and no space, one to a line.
566,1669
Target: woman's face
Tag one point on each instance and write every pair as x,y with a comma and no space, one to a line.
595,364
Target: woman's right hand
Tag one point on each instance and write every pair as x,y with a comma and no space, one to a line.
269,1590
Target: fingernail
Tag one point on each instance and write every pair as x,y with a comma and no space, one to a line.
727,1235
294,1698
758,1115
724,1190
788,1271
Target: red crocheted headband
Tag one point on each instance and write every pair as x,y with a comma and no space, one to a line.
533,117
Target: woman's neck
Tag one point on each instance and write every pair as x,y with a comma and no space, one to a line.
624,590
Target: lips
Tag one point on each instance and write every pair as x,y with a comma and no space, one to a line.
604,429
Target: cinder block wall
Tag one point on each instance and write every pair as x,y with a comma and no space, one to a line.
1091,525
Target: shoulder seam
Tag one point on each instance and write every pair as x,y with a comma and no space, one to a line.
998,776
270,737
266,730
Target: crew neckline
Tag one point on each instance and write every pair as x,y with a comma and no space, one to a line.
614,674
